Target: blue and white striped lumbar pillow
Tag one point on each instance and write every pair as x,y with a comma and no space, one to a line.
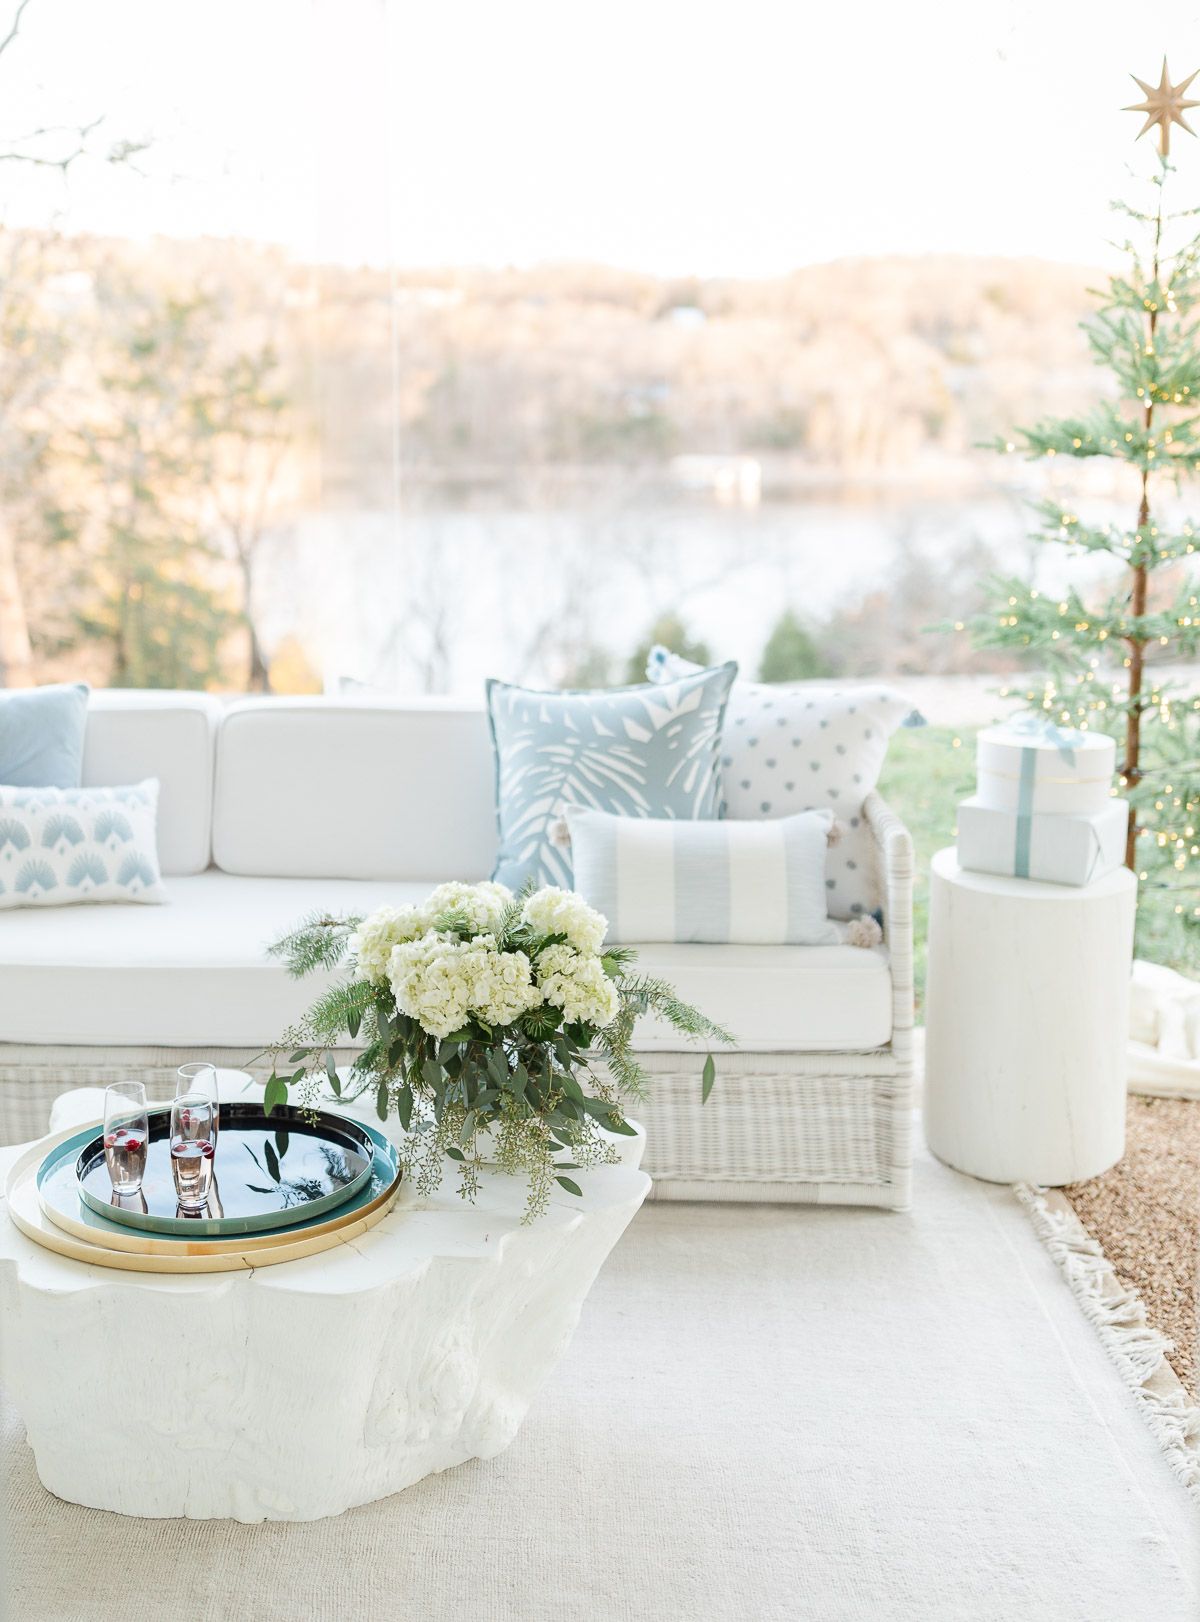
59,846
745,882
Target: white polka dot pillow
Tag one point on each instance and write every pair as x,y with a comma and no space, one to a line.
59,846
802,748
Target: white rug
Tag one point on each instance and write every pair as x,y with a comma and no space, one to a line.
767,1415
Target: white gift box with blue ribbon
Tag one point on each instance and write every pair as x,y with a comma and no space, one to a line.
1047,845
1029,766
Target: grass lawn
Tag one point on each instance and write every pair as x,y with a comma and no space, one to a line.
924,779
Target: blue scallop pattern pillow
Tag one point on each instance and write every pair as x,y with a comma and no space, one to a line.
650,751
61,846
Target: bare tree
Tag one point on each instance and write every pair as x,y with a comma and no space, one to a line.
247,415
26,365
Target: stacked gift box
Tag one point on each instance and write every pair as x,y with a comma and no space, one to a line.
1043,806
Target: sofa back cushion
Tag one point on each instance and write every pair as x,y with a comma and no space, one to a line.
170,736
354,789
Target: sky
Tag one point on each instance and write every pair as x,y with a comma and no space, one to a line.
713,137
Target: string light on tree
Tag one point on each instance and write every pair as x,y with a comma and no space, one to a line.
1095,653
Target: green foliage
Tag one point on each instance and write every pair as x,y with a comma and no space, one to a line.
151,586
925,775
540,1087
318,942
791,652
670,631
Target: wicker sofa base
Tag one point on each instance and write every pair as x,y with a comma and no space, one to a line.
804,1128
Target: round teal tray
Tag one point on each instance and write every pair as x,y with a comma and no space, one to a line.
59,1190
269,1172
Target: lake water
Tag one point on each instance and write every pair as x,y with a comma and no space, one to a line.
438,597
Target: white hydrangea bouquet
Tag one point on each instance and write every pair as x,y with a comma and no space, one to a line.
495,1026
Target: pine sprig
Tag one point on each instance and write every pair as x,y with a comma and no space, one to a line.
341,1012
648,994
319,942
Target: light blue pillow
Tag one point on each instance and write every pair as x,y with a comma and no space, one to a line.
41,736
637,751
752,883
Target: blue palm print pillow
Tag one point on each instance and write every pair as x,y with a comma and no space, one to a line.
651,751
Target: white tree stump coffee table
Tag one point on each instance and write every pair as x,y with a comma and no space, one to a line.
297,1391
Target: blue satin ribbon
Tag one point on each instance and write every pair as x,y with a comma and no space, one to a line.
1064,742
1044,727
1025,811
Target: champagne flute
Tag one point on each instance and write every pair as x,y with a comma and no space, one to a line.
126,1135
192,1150
200,1077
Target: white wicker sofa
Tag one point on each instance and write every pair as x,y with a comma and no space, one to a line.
271,807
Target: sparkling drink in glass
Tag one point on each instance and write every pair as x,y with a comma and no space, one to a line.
192,1150
126,1135
200,1077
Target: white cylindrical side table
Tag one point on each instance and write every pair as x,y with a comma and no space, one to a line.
1027,1021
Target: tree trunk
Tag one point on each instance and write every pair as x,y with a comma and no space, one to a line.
259,679
16,654
1131,771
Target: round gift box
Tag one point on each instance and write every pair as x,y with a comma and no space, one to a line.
1056,770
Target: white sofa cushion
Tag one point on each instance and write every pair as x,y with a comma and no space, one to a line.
366,789
777,999
171,736
194,973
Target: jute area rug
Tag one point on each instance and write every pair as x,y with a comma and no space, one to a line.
767,1414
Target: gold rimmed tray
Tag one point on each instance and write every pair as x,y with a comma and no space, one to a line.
184,1256
59,1199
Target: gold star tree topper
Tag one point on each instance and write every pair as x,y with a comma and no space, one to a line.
1164,105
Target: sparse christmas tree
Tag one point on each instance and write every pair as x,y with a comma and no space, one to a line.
1107,652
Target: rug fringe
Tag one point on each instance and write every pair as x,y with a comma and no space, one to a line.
1118,1314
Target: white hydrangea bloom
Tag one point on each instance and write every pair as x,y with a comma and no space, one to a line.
440,980
430,983
483,904
371,945
576,983
502,985
551,911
